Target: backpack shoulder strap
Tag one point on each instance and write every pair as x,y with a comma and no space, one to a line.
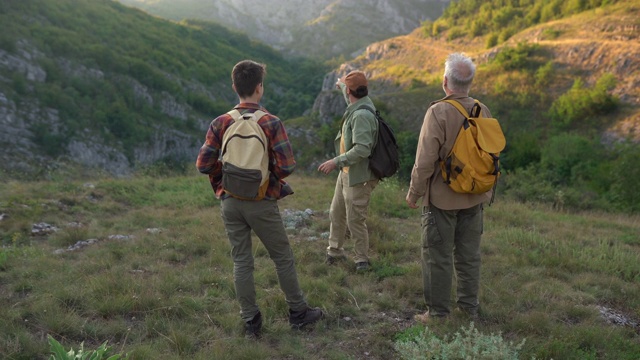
376,113
259,114
458,106
365,106
235,114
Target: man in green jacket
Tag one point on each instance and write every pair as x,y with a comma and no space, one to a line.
354,143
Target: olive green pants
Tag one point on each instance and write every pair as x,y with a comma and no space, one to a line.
263,217
348,211
451,246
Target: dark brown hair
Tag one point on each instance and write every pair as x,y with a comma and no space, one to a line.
246,75
360,92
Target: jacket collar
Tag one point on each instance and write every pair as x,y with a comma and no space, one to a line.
353,106
248,106
451,97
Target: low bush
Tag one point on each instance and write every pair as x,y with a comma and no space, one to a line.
59,353
468,343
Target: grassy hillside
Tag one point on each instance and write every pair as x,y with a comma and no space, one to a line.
564,89
157,282
499,20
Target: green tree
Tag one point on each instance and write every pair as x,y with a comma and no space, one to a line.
407,146
522,149
624,178
581,104
566,153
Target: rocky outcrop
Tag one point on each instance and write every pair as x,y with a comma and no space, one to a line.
22,114
24,62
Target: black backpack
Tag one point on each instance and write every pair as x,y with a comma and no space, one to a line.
384,160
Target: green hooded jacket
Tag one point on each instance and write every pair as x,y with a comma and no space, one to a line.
360,132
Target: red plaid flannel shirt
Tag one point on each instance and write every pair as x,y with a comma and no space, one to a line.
281,160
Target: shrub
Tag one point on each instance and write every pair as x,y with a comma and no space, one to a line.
516,58
522,149
427,28
581,103
100,353
529,185
563,153
625,175
456,33
407,146
4,257
205,105
49,141
544,75
492,40
468,343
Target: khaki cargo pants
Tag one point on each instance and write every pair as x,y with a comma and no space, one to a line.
349,210
451,246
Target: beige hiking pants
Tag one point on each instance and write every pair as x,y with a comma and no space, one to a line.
349,210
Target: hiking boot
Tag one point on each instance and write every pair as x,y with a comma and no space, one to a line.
472,313
331,260
334,259
362,266
298,319
253,327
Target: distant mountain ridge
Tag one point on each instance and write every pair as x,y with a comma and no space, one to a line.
319,29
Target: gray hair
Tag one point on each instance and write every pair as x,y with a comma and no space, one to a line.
459,70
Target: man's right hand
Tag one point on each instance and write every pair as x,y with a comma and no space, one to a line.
327,166
411,203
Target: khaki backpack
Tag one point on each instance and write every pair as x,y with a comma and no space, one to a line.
245,157
473,165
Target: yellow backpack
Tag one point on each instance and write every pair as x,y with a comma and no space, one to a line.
473,165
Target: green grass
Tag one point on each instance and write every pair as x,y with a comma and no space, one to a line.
170,295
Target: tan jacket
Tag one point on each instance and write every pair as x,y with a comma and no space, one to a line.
440,127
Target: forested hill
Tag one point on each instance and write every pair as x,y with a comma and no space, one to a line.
109,86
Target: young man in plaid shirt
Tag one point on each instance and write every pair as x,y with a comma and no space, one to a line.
241,216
